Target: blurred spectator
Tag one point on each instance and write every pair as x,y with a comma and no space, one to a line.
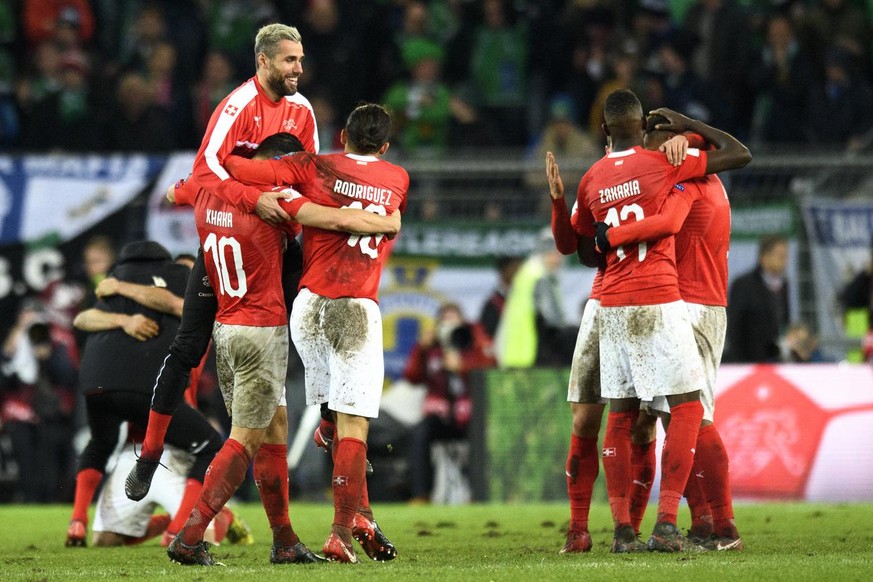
43,81
800,345
44,19
232,26
66,119
37,391
215,84
841,108
621,74
421,106
170,93
757,311
489,318
498,68
723,55
856,300
98,257
442,360
329,124
652,26
532,329
841,23
684,90
566,140
780,82
138,125
139,37
582,83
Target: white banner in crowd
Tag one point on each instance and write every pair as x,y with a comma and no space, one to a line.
840,239
173,226
63,196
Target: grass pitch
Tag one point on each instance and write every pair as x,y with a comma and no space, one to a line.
478,542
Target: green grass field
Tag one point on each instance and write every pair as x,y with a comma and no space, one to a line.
478,542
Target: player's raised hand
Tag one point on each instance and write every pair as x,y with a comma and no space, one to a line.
676,149
140,327
107,287
556,184
268,208
678,122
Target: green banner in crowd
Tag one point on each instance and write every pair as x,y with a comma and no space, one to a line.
460,242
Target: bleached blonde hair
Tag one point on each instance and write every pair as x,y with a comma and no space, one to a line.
269,36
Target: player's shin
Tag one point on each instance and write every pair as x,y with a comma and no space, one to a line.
714,464
617,463
271,478
678,456
583,467
349,472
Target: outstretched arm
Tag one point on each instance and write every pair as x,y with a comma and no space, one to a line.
666,223
352,220
156,298
729,154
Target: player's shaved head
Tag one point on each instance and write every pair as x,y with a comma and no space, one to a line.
623,117
655,137
278,144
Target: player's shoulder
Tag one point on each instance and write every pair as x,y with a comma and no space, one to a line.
299,100
241,96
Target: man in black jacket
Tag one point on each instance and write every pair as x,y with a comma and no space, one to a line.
126,347
757,310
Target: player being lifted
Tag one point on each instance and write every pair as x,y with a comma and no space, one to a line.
647,346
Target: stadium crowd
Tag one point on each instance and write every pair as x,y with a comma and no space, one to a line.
144,75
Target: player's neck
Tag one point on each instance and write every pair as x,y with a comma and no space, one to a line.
265,87
620,145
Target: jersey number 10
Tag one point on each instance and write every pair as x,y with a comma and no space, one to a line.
363,241
218,247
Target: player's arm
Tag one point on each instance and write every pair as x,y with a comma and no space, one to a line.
137,326
287,170
566,240
729,153
351,220
666,223
157,298
225,127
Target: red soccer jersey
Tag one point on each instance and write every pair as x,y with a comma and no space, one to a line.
702,244
186,191
238,125
336,264
628,186
243,258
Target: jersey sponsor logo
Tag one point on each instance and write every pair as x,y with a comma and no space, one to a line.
619,191
369,193
289,124
231,110
219,218
158,281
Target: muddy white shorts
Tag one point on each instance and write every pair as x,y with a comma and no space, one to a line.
340,343
648,351
709,323
584,385
252,363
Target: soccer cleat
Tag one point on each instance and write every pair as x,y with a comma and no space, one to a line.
720,544
336,550
139,480
372,540
625,541
666,538
238,532
196,555
296,554
578,541
76,534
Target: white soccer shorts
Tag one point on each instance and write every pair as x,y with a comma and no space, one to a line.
648,351
340,343
584,386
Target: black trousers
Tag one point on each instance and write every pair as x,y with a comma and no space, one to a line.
188,430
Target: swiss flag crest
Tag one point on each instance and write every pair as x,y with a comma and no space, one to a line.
609,452
231,110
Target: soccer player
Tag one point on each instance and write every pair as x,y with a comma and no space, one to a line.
647,346
251,341
266,104
701,224
335,323
126,346
583,393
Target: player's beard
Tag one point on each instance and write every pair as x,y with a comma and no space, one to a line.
277,82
